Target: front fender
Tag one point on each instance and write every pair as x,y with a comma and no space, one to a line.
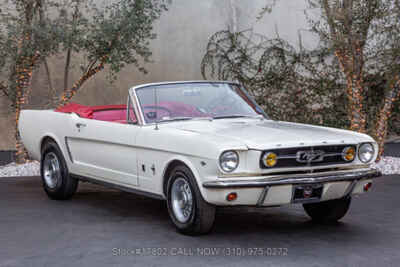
200,167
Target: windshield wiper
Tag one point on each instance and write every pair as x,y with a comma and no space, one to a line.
176,119
186,119
236,116
210,118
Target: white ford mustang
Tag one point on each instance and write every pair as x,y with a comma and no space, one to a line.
199,145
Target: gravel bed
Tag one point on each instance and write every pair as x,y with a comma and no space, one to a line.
388,166
28,169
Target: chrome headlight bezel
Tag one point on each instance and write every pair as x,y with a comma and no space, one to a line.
229,156
363,149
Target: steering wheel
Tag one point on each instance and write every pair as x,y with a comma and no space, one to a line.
156,107
216,105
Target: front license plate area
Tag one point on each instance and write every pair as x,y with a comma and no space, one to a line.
307,193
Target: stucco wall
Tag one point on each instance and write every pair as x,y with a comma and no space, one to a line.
183,34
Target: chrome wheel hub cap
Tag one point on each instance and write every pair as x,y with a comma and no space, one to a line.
181,199
51,170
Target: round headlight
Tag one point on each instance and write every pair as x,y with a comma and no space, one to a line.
229,160
270,159
366,152
349,153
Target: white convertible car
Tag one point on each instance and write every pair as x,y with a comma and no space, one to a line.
199,145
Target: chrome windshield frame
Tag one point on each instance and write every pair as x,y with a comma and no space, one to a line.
138,109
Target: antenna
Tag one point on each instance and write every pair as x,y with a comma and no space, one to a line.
156,104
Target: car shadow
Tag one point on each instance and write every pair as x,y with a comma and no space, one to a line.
279,225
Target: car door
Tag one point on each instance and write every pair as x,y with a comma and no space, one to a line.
104,150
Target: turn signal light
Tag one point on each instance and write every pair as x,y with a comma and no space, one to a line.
231,196
349,153
367,187
270,159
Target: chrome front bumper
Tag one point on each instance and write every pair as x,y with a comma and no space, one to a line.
311,178
270,182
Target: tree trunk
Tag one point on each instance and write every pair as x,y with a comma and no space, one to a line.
352,69
234,18
23,73
21,154
384,115
69,93
52,91
360,120
66,69
356,98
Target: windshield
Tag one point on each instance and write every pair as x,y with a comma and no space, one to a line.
186,101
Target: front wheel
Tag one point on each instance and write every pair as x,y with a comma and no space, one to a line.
328,211
187,209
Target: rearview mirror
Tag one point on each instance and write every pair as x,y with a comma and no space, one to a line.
152,115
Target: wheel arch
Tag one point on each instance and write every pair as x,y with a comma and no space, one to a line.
47,138
171,164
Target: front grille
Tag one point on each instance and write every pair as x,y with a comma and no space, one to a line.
288,157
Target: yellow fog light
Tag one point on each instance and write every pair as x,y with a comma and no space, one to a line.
270,159
349,153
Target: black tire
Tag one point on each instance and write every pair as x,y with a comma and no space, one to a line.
328,211
65,186
202,215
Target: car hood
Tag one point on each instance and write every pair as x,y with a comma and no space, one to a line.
263,134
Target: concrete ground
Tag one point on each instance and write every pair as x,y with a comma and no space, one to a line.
100,227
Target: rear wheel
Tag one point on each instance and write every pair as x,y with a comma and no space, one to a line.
187,209
57,182
328,211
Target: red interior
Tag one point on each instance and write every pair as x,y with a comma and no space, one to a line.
117,113
82,111
112,113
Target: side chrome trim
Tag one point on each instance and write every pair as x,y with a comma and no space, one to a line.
118,187
68,150
299,179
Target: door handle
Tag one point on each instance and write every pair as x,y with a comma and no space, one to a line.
80,125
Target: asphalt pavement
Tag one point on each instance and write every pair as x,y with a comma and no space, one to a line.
103,227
